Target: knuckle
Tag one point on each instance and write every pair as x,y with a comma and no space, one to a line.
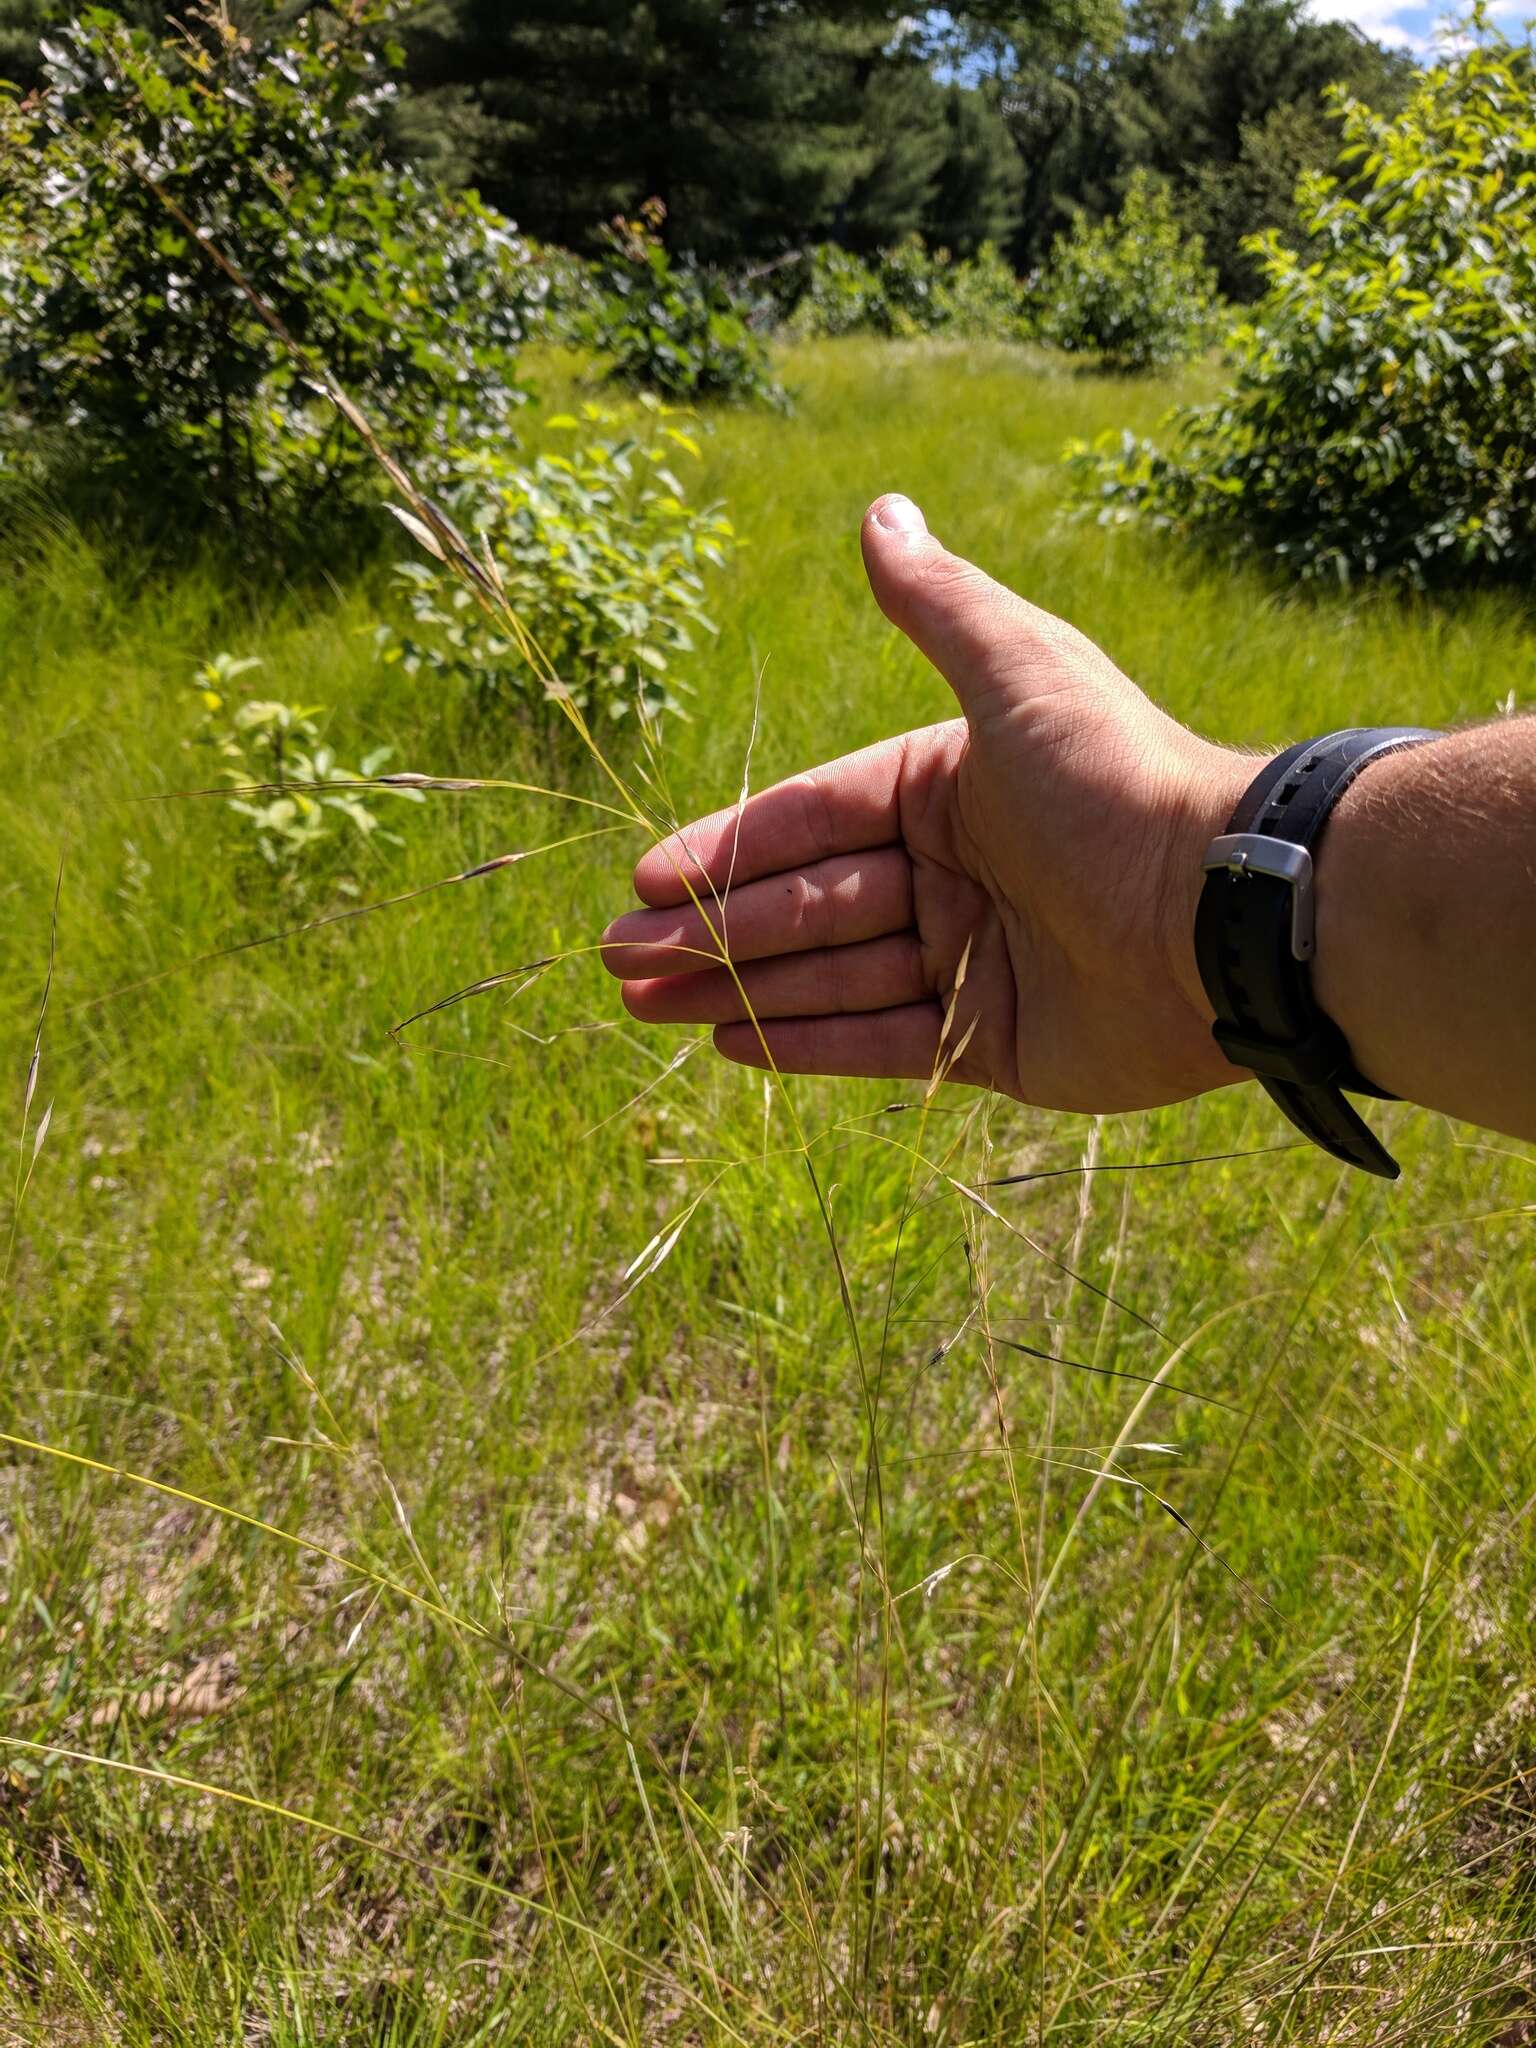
816,817
822,907
834,979
803,899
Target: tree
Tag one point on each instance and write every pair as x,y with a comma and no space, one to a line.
758,125
1383,411
980,180
900,124
741,119
1230,202
24,24
1225,104
125,349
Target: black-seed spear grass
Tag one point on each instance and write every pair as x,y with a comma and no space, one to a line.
1176,1831
641,808
25,1161
435,530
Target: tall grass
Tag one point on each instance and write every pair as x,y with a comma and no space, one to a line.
1102,1606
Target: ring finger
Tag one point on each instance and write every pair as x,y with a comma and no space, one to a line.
877,974
834,902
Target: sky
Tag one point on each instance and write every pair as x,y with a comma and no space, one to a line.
1401,21
1411,24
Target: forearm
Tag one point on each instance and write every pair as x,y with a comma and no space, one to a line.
1426,924
1426,920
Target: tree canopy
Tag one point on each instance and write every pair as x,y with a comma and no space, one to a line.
757,126
1382,409
1226,103
766,125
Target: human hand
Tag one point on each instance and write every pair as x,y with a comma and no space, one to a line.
1055,829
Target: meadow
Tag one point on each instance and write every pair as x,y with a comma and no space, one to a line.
1101,1611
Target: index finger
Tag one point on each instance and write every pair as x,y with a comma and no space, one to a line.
846,806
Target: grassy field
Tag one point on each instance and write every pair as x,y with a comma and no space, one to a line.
709,1668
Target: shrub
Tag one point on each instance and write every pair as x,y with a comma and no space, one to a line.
567,289
1383,414
671,327
914,287
900,292
600,557
1134,288
829,291
906,290
986,299
120,336
272,750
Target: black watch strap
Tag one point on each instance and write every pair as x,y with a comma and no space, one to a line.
1254,940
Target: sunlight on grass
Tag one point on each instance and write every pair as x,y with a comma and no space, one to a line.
1102,1604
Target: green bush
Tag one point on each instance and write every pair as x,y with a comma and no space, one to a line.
566,287
986,300
668,326
1134,289
828,291
297,792
1383,415
903,291
914,287
123,346
600,557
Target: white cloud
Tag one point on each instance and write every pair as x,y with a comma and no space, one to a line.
1403,21
1388,21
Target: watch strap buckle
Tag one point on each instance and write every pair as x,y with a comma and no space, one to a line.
1241,854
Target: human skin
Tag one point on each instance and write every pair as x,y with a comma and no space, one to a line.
1051,836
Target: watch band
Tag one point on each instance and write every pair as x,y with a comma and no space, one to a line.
1254,940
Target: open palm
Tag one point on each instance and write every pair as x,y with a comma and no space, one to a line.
1049,838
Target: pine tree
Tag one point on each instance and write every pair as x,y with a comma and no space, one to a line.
943,165
745,119
24,23
900,121
1224,104
980,179
760,124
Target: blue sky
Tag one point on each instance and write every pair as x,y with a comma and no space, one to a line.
1391,21
1411,24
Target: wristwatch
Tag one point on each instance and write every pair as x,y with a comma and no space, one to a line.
1255,938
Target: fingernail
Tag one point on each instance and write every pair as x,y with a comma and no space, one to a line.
899,515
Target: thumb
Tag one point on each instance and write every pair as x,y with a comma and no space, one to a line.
994,649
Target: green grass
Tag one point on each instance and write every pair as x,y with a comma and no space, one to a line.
631,1747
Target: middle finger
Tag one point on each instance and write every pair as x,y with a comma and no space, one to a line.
834,902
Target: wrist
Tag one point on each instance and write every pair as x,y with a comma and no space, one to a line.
1255,939
1211,781
1370,973
1426,924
